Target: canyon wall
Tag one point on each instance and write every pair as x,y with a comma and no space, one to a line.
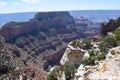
42,40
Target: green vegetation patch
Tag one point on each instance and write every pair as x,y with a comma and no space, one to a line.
52,76
108,42
87,44
117,34
69,71
74,43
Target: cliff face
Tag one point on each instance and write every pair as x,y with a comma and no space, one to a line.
42,22
110,26
40,41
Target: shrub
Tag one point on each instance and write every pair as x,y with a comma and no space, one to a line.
101,56
112,52
102,47
89,61
92,53
117,34
87,44
52,76
108,42
5,60
69,71
84,61
73,43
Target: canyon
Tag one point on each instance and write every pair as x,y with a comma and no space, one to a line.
39,43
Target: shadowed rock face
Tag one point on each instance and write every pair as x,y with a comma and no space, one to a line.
41,39
110,26
3,69
38,44
53,59
42,22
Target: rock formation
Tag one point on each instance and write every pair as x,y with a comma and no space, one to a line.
110,26
41,41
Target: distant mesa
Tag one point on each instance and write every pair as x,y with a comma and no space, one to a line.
42,21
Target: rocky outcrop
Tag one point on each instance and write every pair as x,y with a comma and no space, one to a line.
74,54
110,26
107,69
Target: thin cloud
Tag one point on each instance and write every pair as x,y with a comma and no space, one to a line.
30,1
3,3
16,3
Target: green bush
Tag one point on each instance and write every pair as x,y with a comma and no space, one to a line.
108,42
101,56
89,61
102,47
112,52
87,44
73,43
52,76
91,53
69,71
117,34
5,60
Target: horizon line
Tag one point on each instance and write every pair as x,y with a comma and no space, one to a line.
62,10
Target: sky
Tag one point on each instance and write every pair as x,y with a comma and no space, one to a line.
13,6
